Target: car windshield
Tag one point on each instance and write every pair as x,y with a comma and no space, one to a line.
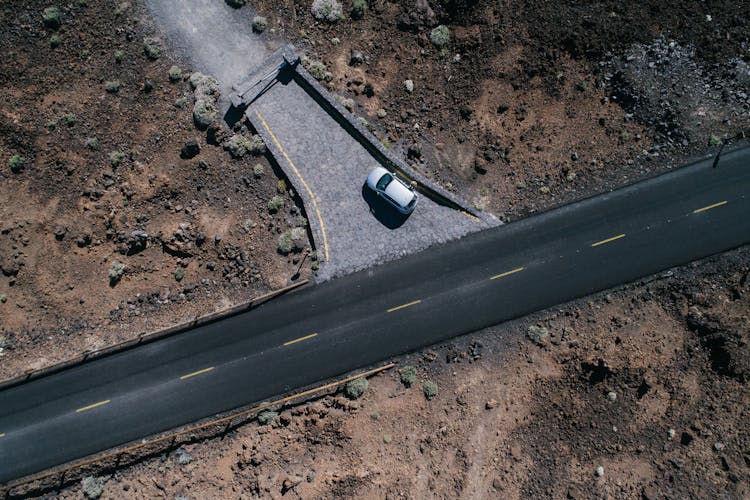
384,181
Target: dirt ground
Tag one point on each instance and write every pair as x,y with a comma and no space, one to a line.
648,382
195,234
531,104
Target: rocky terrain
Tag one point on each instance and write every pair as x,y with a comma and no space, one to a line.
125,209
640,392
129,208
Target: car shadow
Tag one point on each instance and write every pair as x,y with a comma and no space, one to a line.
382,210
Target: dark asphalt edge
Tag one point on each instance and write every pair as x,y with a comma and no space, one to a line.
148,338
294,397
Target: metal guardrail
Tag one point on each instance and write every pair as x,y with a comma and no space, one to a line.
147,337
227,421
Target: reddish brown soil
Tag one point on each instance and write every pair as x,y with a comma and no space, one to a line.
521,111
70,214
547,102
647,382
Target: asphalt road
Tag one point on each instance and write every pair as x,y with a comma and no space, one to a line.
330,329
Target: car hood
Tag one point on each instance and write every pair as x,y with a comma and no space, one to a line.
399,193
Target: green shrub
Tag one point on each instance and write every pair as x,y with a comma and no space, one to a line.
205,112
239,145
179,274
119,55
17,163
52,17
258,171
440,36
70,119
93,486
266,417
300,222
275,203
408,375
714,140
538,334
152,48
92,143
327,10
430,389
112,86
116,270
319,71
175,74
359,7
284,244
355,388
55,41
281,186
3,299
116,158
52,124
375,415
248,225
260,24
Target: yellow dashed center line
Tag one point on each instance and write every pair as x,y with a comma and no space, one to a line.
199,372
608,240
699,210
302,180
301,339
507,273
100,403
404,305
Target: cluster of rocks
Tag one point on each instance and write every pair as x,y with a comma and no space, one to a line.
664,86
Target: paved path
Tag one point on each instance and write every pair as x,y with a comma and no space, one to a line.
327,330
215,37
352,228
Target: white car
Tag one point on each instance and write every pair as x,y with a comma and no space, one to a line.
392,189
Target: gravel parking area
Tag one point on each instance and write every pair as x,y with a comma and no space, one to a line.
352,228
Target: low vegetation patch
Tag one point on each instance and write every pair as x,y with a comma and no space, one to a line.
430,389
327,10
17,163
355,388
408,375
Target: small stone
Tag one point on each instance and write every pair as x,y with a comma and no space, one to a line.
612,396
497,484
409,85
387,438
649,493
719,446
490,404
356,58
190,149
671,433
183,457
600,471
